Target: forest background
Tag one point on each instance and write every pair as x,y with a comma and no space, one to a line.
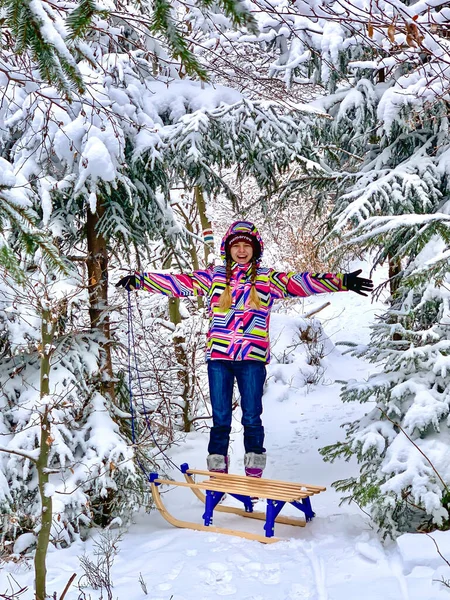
131,130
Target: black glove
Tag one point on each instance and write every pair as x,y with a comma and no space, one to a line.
357,284
128,282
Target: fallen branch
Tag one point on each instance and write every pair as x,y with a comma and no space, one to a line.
316,310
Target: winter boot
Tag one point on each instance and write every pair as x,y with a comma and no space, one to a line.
217,463
254,466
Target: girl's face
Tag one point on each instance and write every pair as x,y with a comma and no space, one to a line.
241,252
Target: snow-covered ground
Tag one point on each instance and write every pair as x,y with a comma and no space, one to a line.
338,556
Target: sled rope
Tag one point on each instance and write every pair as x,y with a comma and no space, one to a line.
132,356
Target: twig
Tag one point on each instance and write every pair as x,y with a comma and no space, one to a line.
361,509
437,549
14,594
67,586
143,584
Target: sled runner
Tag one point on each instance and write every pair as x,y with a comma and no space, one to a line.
211,490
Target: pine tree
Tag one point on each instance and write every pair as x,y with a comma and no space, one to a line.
395,201
401,443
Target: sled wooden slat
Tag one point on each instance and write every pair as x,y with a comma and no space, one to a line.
317,488
277,488
198,527
257,484
239,511
250,488
247,490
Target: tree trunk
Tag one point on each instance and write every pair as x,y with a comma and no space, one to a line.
40,568
180,355
194,260
208,237
97,266
182,360
395,268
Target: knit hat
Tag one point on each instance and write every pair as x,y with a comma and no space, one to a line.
239,228
243,237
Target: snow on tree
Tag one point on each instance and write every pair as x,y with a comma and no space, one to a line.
402,443
42,42
64,463
395,200
19,222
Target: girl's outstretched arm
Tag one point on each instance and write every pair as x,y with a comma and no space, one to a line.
285,285
196,283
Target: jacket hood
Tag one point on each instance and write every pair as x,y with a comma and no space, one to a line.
241,227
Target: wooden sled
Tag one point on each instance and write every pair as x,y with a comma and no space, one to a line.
211,490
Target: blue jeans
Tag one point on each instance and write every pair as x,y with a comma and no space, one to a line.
250,376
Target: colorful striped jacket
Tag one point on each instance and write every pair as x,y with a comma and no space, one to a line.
240,333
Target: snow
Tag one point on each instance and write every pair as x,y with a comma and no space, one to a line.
338,556
96,163
13,186
23,542
49,490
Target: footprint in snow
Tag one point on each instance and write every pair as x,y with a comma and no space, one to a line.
268,574
272,574
175,571
218,576
164,587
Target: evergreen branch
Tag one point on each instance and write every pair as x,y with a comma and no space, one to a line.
239,14
80,19
447,489
54,60
11,265
24,222
164,25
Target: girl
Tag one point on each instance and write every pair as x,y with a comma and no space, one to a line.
239,296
